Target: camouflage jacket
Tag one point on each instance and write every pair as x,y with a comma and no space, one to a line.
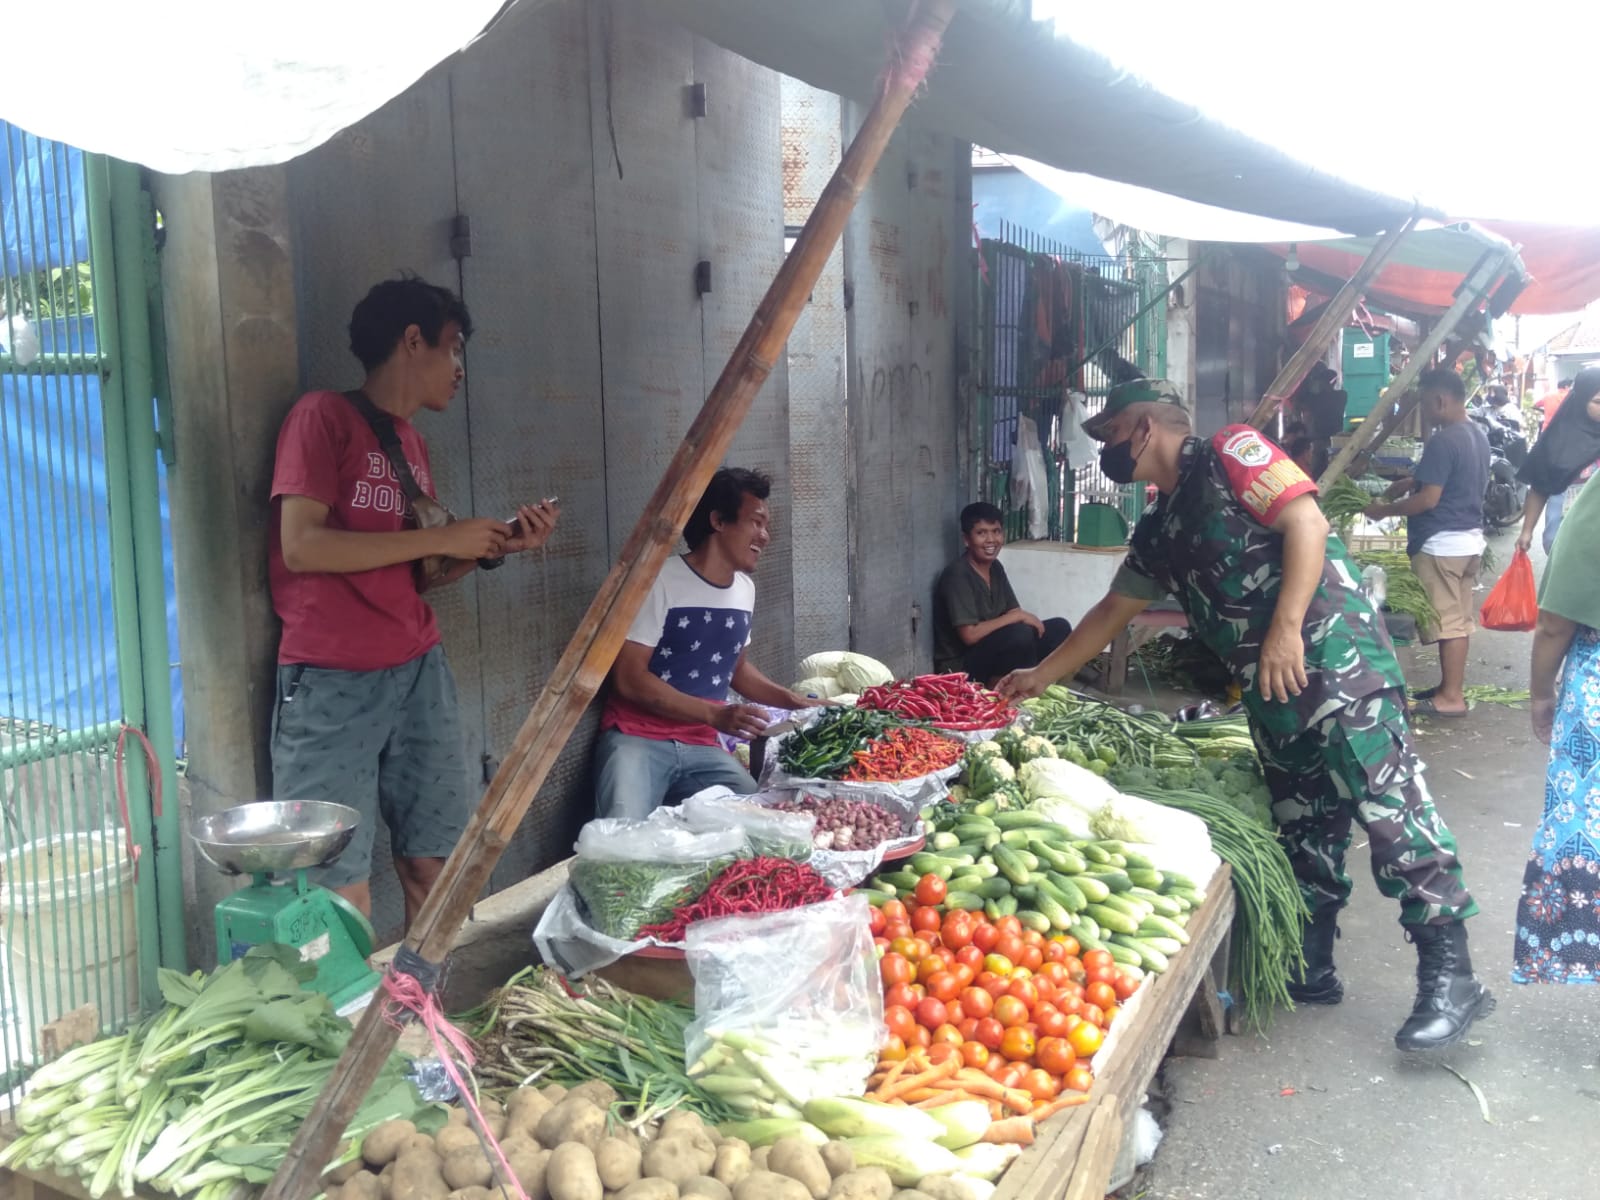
1209,544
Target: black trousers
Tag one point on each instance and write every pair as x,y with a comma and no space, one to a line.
1013,648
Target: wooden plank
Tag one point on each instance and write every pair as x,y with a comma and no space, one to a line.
76,1028
588,657
1102,1142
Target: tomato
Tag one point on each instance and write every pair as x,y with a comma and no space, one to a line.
932,1013
1125,986
1094,1015
929,967
1074,968
1032,937
909,948
1013,1075
1056,1055
1102,975
999,964
970,956
1024,990
1098,958
940,1052
897,929
1098,993
1019,1046
1070,1003
957,932
1010,1012
1086,1039
894,968
926,920
1011,925
1070,946
964,974
900,1022
900,996
894,1049
1079,1079
984,936
1009,946
997,1066
975,1054
930,890
876,921
976,1002
893,910
1054,951
1021,973
948,1034
1052,1021
924,1036
996,985
990,1032
1055,973
1111,1015
1041,1085
968,1027
1032,958
956,1014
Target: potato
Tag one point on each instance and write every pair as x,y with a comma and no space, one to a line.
943,1187
553,1092
681,1121
801,1160
600,1094
472,1193
758,1158
572,1173
455,1137
467,1168
421,1185
457,1116
674,1158
733,1162
619,1163
530,1166
519,1143
910,1194
649,1189
363,1185
575,1119
704,1185
342,1175
865,1183
839,1159
382,1146
418,1141
526,1109
767,1185
490,1107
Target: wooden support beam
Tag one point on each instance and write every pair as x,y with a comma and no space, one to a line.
593,648
1329,323
1480,282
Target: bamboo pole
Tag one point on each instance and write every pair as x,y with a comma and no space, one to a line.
594,646
1329,323
1480,282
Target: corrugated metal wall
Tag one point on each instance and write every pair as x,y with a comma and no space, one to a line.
568,138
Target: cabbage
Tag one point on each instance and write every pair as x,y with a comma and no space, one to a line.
985,775
823,687
1133,819
857,673
826,663
1056,778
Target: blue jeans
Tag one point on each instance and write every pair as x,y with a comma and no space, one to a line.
1553,508
634,776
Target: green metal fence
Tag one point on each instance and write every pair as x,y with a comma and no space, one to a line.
91,890
1052,321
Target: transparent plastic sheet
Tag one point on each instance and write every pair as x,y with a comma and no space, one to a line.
796,991
567,942
920,791
771,834
629,874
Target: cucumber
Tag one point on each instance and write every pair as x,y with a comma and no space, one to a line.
1011,866
1194,897
991,909
1028,858
1112,846
971,831
1164,927
1126,955
1118,861
1034,920
1117,881
1165,945
1008,906
1149,957
994,887
904,881
1083,925
1021,818
984,867
944,841
976,849
964,883
875,896
1113,919
1180,881
1027,893
1053,910
985,808
1132,905
1092,889
965,901
1068,893
991,841
1065,861
1145,878
932,864
1017,839
1138,860
1165,905
1092,852
1089,941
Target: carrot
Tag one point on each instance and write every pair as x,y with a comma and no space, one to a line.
923,1095
946,1095
896,1069
1065,1100
1013,1131
1018,1101
923,1079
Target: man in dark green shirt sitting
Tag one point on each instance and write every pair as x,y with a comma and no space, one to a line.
978,626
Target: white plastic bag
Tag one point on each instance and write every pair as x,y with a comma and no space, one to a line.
629,874
1080,448
792,998
1029,484
771,834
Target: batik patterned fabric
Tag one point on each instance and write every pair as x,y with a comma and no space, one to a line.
1558,917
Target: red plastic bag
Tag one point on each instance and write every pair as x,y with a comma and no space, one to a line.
1513,602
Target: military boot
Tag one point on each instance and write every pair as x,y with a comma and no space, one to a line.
1449,999
1319,984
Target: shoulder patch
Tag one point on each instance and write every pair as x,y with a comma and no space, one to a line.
1248,448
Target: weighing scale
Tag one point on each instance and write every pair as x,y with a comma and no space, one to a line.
275,842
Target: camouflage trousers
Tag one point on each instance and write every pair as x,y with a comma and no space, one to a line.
1360,765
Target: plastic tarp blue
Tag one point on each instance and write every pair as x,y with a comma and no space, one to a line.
43,208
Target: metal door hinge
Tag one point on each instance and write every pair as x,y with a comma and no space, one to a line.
697,100
849,295
702,277
491,767
461,236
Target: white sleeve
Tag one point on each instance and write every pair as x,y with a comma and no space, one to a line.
647,626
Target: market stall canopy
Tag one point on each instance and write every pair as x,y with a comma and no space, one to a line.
239,89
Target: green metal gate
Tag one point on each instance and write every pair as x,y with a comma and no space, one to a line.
1052,320
91,893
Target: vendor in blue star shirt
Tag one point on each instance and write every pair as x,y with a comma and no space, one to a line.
669,690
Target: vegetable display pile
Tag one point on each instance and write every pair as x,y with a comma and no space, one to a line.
827,748
1234,781
1087,731
1343,502
1272,913
1218,737
754,885
621,898
947,701
1404,591
904,753
844,825
203,1096
1186,663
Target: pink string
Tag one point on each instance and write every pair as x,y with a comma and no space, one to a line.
908,65
407,995
153,769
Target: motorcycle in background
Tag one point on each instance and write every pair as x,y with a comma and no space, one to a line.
1508,447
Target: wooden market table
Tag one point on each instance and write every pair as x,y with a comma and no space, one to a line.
1122,644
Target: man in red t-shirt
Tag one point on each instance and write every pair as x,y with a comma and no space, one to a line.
366,711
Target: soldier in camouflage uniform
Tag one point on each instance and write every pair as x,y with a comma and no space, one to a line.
1238,538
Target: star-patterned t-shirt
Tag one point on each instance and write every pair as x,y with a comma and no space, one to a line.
697,631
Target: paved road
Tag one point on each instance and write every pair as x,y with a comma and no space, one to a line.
1324,1106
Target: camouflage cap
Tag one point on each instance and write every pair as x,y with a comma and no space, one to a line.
1125,395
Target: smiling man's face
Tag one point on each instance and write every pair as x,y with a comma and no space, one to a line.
742,541
984,542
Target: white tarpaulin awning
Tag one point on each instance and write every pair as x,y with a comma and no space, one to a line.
207,85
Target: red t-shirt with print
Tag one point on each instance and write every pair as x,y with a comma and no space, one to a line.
365,620
1261,474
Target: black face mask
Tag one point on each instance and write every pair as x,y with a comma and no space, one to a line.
1117,461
